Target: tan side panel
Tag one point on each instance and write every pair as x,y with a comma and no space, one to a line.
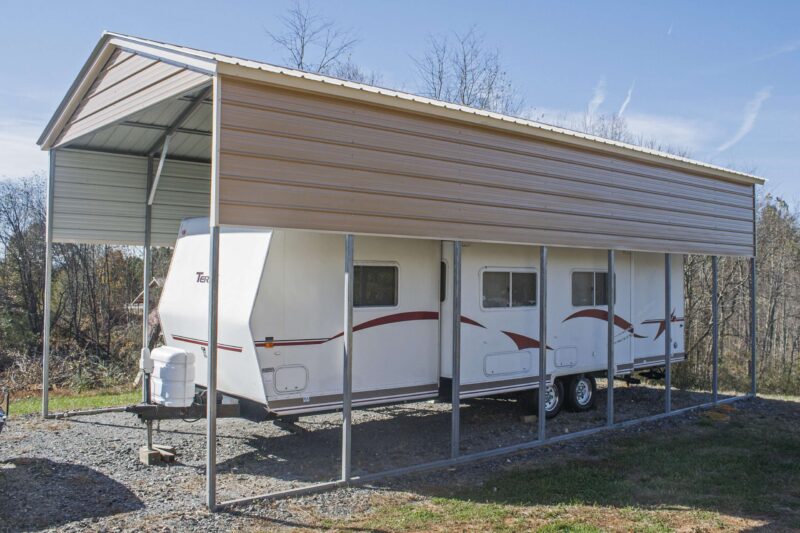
294,160
100,198
128,83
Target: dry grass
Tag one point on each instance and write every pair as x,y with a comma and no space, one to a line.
63,400
730,469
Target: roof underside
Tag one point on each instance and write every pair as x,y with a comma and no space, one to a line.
142,133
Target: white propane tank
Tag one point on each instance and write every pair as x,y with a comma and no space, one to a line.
172,381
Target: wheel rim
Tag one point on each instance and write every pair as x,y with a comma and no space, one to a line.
583,391
550,397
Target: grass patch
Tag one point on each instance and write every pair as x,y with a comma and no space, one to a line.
71,401
738,471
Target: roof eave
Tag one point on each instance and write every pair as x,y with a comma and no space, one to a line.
99,51
97,59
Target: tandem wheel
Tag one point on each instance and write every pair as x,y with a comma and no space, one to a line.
553,399
581,393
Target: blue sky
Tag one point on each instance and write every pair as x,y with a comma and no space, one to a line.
719,77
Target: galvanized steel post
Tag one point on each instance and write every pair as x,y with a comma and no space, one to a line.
714,330
48,284
542,415
146,275
610,292
211,396
753,327
347,352
667,333
455,382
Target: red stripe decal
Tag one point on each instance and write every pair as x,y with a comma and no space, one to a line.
522,341
380,321
465,320
602,314
662,324
199,342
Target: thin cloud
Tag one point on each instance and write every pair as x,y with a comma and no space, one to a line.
786,48
19,155
666,129
751,111
627,100
669,31
598,97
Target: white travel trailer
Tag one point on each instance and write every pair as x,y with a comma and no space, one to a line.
280,318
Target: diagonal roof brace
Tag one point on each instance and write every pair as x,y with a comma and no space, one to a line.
163,140
161,159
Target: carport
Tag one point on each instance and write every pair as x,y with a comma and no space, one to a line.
151,133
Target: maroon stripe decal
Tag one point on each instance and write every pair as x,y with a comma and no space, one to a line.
662,324
522,341
380,321
465,320
602,314
199,342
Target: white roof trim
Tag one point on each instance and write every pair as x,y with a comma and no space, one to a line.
97,60
234,66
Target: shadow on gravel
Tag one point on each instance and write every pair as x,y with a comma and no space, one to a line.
400,435
37,493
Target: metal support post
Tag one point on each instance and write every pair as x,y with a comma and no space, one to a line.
455,431
610,292
48,287
146,275
714,329
211,396
347,380
753,328
667,333
542,341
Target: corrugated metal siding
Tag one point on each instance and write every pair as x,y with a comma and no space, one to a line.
100,198
183,192
128,83
296,160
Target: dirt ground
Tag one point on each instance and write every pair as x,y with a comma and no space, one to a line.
83,473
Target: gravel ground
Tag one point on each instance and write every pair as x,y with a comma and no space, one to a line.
83,472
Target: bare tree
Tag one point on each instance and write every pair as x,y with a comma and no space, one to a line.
315,44
349,70
463,70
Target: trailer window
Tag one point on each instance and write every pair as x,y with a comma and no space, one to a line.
508,289
523,289
375,286
589,289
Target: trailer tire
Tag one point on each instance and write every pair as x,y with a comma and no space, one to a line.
581,393
551,408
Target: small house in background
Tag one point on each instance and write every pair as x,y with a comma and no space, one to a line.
137,304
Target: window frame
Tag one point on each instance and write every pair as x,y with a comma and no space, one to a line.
509,271
594,287
393,264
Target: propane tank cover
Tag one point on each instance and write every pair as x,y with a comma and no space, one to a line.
172,381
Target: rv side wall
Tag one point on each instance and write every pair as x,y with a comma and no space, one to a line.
299,307
281,315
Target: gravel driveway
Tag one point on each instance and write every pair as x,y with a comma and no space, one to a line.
83,472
